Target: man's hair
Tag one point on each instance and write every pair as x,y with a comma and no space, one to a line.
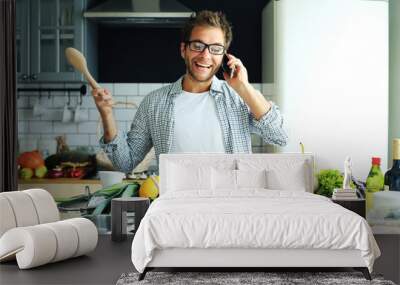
207,18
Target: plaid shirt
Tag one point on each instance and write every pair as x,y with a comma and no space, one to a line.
153,125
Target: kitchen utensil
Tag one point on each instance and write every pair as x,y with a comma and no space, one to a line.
77,113
109,178
81,114
67,114
38,108
77,60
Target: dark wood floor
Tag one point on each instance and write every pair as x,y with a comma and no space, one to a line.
102,266
110,259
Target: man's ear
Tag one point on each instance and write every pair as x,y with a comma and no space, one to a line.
183,47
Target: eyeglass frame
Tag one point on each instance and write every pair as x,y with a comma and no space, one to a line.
188,43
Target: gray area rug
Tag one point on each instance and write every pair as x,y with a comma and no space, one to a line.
231,278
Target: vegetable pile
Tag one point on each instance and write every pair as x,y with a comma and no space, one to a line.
31,164
100,201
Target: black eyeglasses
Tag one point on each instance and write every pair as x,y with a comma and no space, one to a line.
199,46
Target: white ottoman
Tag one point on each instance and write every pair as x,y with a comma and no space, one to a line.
31,232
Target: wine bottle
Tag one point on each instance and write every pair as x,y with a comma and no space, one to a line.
375,182
392,176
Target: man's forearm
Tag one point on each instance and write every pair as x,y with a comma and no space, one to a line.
109,126
255,100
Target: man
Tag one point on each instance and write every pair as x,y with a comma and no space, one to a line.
199,112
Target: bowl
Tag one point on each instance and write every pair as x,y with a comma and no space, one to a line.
109,178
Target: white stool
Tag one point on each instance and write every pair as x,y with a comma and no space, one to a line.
31,233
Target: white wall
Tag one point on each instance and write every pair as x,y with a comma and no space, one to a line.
33,131
331,79
394,73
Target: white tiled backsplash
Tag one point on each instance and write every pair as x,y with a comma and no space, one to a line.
36,132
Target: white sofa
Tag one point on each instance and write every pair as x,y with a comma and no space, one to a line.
31,231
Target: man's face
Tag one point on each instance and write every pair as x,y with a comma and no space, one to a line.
202,66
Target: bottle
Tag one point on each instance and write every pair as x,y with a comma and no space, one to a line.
375,181
392,176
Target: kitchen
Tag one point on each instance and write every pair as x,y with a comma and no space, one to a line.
132,57
129,70
56,113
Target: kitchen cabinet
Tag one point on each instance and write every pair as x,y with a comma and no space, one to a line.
44,28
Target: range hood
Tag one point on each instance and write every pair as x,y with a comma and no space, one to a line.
140,12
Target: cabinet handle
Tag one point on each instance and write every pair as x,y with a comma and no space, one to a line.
33,77
24,77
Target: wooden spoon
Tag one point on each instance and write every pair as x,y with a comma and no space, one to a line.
77,60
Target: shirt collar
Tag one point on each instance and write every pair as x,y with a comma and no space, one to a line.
216,86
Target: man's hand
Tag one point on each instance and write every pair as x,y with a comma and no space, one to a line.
239,78
103,100
104,103
240,83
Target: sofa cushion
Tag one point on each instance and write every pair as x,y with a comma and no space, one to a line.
7,220
23,209
45,206
26,208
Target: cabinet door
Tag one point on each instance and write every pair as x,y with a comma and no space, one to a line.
22,39
55,25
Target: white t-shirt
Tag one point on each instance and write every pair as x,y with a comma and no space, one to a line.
197,127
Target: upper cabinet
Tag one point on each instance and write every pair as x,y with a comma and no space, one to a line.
44,29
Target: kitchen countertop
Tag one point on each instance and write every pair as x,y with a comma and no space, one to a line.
61,188
68,181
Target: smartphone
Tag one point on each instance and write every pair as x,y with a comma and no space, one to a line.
225,66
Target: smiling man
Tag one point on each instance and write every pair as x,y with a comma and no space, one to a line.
199,112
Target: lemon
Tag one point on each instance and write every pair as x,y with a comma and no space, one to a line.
150,187
26,173
41,171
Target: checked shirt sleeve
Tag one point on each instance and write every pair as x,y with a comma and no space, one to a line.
128,149
270,127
